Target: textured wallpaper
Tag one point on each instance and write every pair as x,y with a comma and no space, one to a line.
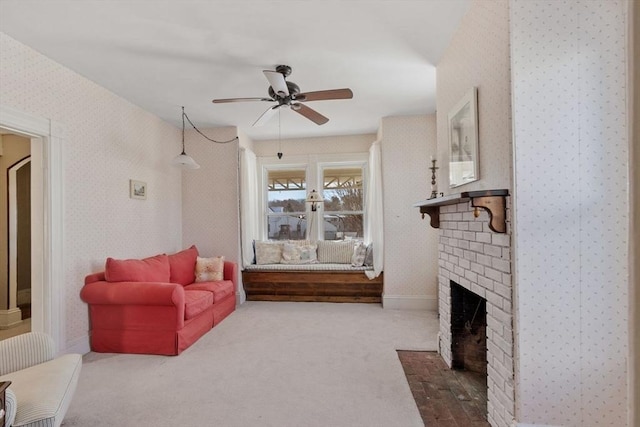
318,145
210,195
571,208
411,245
478,55
108,141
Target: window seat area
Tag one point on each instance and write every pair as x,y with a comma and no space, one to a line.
311,283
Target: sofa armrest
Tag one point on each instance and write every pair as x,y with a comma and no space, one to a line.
231,273
133,293
24,351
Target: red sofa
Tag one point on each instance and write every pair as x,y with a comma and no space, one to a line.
153,306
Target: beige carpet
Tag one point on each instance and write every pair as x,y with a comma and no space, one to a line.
268,364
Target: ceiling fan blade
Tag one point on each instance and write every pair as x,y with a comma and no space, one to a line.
222,101
309,113
277,82
264,118
325,95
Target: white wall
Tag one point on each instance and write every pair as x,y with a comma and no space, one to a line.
571,211
478,55
319,145
210,195
108,141
410,244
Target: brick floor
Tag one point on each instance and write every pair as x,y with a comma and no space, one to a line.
445,397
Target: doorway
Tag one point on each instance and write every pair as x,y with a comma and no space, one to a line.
46,139
15,230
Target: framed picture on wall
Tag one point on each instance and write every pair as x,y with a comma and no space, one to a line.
463,140
137,189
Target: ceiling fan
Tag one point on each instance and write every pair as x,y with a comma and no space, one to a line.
287,94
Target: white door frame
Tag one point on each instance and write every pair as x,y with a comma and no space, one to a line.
47,297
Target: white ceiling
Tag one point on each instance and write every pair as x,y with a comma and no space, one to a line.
163,54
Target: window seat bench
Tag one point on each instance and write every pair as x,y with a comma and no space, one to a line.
311,283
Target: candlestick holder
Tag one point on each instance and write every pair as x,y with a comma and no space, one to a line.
434,188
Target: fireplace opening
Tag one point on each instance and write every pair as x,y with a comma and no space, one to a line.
468,330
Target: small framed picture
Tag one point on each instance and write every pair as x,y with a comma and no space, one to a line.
137,189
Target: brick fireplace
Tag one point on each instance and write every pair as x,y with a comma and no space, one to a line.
475,253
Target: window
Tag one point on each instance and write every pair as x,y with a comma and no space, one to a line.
343,195
286,210
339,179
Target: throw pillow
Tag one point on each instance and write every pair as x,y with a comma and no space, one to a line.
183,265
293,253
152,269
335,252
368,258
210,269
268,252
359,253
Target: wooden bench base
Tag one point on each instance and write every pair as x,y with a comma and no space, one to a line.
312,286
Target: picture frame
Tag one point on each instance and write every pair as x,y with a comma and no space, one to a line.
463,140
137,189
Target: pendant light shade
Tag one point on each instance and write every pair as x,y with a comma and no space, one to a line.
184,161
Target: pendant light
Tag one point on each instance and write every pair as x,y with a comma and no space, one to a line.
182,160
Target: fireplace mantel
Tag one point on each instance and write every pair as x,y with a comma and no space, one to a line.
493,201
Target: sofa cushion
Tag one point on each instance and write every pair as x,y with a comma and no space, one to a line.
152,269
209,269
195,302
219,290
335,252
183,266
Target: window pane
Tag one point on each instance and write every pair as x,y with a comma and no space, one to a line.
339,226
342,190
287,227
286,191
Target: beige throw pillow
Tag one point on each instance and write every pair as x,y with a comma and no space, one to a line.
209,269
299,254
268,252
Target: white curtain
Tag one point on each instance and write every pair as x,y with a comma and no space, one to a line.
249,215
374,232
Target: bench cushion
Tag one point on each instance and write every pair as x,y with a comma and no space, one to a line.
306,267
43,392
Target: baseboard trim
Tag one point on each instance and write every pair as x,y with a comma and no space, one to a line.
408,302
515,424
79,346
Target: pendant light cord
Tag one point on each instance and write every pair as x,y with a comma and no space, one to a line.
184,116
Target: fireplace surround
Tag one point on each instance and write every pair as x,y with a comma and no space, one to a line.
474,251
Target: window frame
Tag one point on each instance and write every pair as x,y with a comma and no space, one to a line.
314,166
360,164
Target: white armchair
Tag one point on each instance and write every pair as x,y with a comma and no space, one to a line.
42,386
